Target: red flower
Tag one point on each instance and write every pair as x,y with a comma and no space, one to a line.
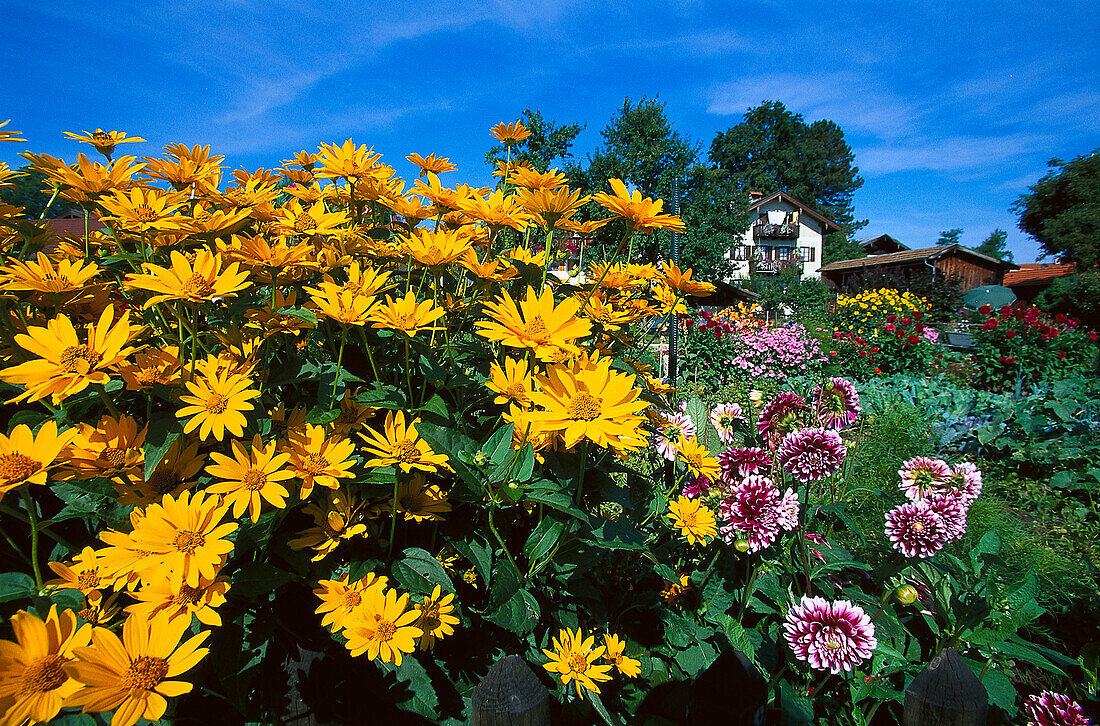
890,326
1010,334
985,310
913,339
918,314
875,349
863,354
1061,354
1092,335
878,370
891,318
905,321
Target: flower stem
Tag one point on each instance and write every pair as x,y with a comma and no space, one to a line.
32,519
503,547
339,364
393,515
580,472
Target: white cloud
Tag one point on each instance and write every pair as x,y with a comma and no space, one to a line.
946,154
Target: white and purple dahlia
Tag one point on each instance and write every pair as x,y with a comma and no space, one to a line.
738,463
782,414
837,403
916,529
966,479
812,454
1054,709
723,418
786,512
695,486
751,512
952,509
923,475
830,636
665,440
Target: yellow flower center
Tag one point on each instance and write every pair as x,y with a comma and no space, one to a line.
578,662
584,407
17,467
78,359
145,213
429,619
917,526
535,327
197,286
406,321
406,451
43,674
144,673
688,520
386,630
517,392
303,223
114,457
216,403
352,598
101,136
254,479
163,482
188,595
89,579
187,541
314,464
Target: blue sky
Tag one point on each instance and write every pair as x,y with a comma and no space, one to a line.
952,109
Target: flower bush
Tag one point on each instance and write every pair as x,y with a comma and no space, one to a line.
319,409
881,332
1018,346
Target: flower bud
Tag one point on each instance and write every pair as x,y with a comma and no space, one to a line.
906,594
741,545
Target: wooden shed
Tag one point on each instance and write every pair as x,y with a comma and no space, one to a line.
971,268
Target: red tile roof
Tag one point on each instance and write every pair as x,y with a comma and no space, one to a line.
1037,273
72,226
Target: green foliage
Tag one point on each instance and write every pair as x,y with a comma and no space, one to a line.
1062,210
1074,296
838,247
547,143
949,237
773,149
31,191
995,245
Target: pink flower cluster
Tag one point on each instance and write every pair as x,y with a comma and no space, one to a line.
829,636
1054,709
776,352
755,511
940,499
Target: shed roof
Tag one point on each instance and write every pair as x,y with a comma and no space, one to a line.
1037,273
929,254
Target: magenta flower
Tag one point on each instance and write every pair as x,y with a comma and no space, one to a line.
696,486
752,511
837,403
723,418
812,454
829,636
966,480
952,509
786,512
916,529
922,475
740,463
782,414
1054,709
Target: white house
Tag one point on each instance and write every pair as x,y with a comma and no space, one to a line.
785,232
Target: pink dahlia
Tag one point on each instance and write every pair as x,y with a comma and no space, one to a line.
812,454
830,637
966,480
696,486
952,509
1054,709
739,463
922,475
786,512
837,403
782,414
665,440
916,529
751,511
723,418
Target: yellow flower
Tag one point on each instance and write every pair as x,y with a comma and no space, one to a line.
199,601
44,276
406,315
198,281
420,501
26,457
113,449
128,675
400,445
616,649
682,281
104,141
84,574
439,247
334,519
508,133
695,521
152,366
14,135
697,458
316,459
385,629
145,210
217,403
432,163
437,618
293,219
643,214
586,399
174,473
573,658
347,307
65,366
340,599
552,206
185,537
33,682
536,324
513,382
249,476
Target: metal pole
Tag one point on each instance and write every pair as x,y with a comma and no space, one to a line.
673,327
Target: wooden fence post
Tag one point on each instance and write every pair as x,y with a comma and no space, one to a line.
946,693
510,695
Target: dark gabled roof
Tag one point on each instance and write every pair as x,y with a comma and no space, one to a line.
825,222
928,254
878,241
1037,273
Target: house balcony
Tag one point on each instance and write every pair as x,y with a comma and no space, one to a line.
783,230
773,267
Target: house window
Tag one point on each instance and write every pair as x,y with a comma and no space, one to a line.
784,253
807,254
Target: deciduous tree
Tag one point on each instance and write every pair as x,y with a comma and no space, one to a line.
1062,210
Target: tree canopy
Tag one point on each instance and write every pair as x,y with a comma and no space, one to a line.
949,237
995,245
547,143
773,149
1062,210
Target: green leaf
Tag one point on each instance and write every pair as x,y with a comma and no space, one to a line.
16,586
1002,693
551,494
164,429
424,700
597,704
436,405
699,413
797,708
746,641
498,447
543,539
419,572
304,314
478,552
259,578
519,614
1063,480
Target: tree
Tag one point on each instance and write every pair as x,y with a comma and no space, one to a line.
773,149
995,245
28,191
839,247
949,237
548,142
1062,210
